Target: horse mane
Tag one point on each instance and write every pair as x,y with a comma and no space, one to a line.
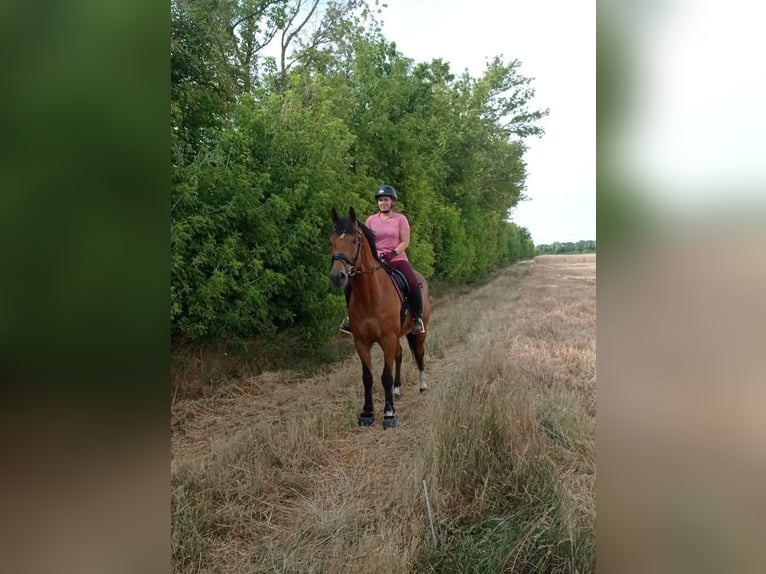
345,225
370,235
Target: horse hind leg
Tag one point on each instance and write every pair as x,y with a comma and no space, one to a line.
389,357
418,348
398,371
389,416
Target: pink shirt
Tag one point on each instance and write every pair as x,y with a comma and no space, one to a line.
387,233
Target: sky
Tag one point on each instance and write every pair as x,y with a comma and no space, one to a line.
698,122
555,41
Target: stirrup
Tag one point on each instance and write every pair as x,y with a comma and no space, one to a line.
418,326
345,326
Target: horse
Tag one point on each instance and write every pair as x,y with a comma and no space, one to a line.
374,309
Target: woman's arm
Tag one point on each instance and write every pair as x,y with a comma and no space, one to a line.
404,239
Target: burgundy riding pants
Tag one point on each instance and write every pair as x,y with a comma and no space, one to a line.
406,269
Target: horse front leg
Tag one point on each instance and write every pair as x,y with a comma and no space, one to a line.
366,417
389,356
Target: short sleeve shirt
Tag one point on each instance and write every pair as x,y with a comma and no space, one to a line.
388,233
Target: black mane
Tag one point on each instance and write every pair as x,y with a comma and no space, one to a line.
345,225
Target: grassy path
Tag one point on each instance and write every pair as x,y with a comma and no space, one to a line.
271,473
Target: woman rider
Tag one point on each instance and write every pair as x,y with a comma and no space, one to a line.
392,236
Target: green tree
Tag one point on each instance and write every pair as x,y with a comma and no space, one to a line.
262,148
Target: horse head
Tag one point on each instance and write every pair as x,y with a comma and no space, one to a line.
345,246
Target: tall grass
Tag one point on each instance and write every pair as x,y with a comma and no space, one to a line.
277,477
511,459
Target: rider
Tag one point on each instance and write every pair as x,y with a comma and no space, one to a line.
392,236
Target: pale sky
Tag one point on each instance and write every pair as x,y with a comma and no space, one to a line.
555,41
697,131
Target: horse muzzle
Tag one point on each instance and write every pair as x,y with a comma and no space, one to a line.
339,279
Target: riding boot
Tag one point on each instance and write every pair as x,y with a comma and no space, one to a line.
345,325
416,304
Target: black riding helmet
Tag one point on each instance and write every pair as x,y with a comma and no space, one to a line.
386,191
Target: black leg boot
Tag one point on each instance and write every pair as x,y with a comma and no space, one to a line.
416,304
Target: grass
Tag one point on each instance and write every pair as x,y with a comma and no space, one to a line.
271,474
198,371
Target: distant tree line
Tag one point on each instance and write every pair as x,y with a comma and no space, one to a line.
567,247
263,146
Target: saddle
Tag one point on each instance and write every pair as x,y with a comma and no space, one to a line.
402,289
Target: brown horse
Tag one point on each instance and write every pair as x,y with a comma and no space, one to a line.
374,309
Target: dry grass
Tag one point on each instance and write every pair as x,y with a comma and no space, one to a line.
271,474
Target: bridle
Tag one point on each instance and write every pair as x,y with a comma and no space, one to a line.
350,265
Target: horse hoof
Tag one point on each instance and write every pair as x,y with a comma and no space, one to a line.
423,390
366,420
389,422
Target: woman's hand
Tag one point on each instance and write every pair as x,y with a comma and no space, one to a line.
388,256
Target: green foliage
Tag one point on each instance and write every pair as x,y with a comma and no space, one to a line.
261,150
451,241
555,248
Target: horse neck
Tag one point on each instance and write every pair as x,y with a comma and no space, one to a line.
369,281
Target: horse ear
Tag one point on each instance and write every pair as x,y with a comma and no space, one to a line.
334,215
352,214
